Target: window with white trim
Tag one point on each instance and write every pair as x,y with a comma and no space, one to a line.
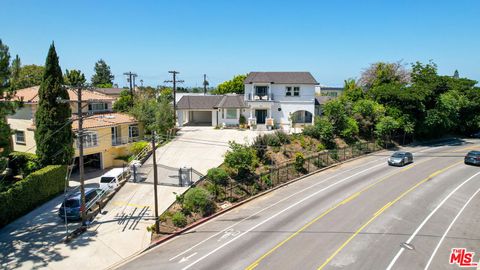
231,113
296,91
20,137
90,139
288,91
97,107
133,131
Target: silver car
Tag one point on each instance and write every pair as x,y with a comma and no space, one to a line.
400,158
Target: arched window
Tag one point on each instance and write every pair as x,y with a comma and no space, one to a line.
302,117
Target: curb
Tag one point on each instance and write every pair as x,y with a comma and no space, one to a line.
201,221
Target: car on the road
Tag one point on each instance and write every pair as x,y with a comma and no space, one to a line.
71,206
472,157
111,179
400,158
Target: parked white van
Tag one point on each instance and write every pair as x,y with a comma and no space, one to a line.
111,178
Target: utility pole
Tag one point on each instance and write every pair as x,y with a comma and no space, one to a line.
131,79
80,154
155,182
205,84
174,81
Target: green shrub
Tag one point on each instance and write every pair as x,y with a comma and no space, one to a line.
299,161
179,220
199,200
243,159
260,145
23,163
273,140
218,176
282,136
35,189
320,147
266,180
242,120
137,147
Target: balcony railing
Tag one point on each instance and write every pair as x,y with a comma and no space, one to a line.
124,140
259,97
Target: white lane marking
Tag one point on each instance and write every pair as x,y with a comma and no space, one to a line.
184,259
228,233
399,253
286,198
448,229
272,205
277,214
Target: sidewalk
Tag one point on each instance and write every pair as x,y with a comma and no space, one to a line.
36,239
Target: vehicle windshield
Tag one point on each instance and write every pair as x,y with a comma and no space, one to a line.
106,179
398,155
71,203
473,154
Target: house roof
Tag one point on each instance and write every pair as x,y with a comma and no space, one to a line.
321,100
280,77
209,102
331,88
30,95
109,91
104,120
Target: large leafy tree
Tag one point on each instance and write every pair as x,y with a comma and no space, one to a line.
124,103
103,77
28,76
234,85
74,77
53,134
6,107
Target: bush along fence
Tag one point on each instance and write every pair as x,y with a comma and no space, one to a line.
37,188
235,191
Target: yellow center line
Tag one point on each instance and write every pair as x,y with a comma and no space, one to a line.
381,210
351,197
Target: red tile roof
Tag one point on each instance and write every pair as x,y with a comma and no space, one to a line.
105,120
30,95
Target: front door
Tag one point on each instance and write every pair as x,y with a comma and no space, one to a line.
260,115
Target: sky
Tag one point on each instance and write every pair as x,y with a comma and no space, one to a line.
334,40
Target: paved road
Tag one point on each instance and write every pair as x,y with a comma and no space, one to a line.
355,216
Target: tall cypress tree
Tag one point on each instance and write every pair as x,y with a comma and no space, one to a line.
53,134
5,93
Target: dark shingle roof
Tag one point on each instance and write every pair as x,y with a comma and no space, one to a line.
210,102
280,77
321,100
231,101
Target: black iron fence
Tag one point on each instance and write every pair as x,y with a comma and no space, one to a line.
282,173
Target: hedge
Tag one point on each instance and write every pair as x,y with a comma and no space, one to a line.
22,163
34,190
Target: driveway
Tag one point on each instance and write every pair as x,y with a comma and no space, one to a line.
35,240
202,148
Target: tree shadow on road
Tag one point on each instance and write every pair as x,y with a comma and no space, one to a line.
36,239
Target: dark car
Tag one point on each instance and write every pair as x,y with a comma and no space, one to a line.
71,206
472,157
400,158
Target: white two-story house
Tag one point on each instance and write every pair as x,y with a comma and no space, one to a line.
280,98
271,99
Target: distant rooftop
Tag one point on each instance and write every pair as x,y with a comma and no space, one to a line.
30,95
280,77
188,102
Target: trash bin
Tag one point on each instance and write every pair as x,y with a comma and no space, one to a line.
135,165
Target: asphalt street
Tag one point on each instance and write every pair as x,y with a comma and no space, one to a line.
363,214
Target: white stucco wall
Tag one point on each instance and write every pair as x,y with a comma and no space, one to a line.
287,104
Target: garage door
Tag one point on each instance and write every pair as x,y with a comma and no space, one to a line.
202,117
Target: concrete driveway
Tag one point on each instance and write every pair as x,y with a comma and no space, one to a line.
202,148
